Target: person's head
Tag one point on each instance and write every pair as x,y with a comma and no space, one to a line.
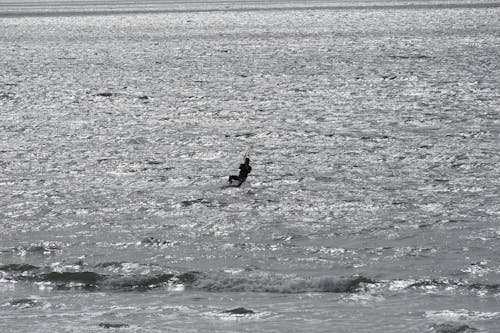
247,160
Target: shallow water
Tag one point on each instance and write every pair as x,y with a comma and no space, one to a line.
373,205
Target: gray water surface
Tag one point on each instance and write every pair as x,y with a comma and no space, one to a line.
373,204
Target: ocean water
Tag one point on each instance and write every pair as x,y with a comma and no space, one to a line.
374,134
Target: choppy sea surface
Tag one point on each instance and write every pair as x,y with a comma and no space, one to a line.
374,134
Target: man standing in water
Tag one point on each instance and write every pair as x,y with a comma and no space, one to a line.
245,169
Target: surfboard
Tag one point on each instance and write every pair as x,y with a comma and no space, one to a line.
233,184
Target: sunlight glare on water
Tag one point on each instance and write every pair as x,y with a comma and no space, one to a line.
372,206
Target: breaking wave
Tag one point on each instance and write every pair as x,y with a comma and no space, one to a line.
212,282
277,284
261,282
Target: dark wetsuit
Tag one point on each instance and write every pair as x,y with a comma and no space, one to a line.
245,169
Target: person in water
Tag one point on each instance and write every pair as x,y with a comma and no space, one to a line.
245,169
